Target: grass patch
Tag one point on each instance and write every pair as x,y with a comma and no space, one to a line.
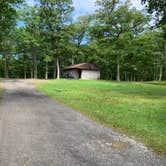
137,109
158,83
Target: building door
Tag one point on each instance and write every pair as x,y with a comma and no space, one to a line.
80,72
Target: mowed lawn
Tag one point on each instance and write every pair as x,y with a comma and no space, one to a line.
137,109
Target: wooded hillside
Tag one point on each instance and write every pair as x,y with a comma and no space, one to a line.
39,41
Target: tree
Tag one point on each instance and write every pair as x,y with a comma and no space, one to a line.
8,16
80,32
23,49
115,26
161,48
158,6
7,49
117,38
31,35
55,14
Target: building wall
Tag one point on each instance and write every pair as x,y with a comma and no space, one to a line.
73,72
90,75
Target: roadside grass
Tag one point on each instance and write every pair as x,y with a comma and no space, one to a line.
137,109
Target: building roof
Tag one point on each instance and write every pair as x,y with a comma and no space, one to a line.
85,66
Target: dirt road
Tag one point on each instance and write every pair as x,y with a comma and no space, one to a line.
37,131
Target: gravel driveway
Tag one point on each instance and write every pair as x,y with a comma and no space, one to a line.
37,131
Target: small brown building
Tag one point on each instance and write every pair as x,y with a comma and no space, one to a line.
85,71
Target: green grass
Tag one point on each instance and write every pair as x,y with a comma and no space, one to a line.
137,109
158,83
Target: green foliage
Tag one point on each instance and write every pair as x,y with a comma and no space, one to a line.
117,38
55,15
8,13
135,108
80,33
8,16
115,29
158,6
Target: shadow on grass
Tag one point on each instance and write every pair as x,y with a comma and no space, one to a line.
163,83
143,90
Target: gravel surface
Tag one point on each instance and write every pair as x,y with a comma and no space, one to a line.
35,130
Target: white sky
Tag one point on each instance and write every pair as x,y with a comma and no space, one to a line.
83,7
31,2
137,4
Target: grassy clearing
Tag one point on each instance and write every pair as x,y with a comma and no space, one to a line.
137,109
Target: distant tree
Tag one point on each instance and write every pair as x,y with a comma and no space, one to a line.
36,42
158,6
161,48
115,27
8,16
32,35
54,16
79,34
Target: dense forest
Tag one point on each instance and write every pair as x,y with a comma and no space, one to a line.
39,41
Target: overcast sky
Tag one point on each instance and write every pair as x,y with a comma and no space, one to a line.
83,7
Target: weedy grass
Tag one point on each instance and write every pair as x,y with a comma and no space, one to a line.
137,109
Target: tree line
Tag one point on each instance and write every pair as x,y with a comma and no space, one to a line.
39,41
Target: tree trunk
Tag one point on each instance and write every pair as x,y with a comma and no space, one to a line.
125,76
154,69
118,68
58,68
31,72
54,75
161,72
35,65
25,72
6,69
161,62
134,78
72,61
46,71
131,77
154,74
